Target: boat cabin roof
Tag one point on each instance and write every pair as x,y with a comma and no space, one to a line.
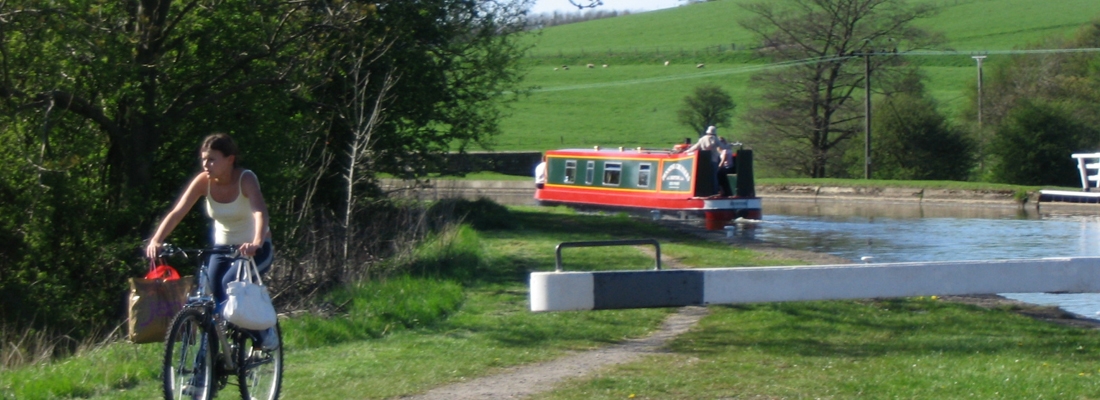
616,152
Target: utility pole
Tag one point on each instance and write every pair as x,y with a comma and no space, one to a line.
981,134
867,116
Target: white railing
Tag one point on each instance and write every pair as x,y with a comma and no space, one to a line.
1088,164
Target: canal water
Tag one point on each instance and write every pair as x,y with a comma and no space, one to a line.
910,232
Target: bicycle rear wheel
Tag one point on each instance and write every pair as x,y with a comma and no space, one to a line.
188,369
259,372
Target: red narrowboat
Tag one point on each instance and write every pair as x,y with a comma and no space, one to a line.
649,180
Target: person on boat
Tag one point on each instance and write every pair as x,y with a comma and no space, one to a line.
706,142
540,175
726,165
709,142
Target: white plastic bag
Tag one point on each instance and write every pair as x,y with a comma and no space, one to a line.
249,305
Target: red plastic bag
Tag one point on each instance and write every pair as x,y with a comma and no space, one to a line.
162,271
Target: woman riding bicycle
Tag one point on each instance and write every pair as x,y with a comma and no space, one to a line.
235,204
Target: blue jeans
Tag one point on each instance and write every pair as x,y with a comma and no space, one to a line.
223,270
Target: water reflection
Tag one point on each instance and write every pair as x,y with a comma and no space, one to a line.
895,210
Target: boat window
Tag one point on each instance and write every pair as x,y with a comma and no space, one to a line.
643,175
611,173
570,171
589,171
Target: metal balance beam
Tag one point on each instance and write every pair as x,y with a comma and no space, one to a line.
562,291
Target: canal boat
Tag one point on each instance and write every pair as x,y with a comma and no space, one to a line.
651,180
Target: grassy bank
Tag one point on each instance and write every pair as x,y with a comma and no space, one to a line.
878,349
468,317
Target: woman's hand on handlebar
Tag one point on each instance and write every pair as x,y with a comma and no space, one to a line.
249,249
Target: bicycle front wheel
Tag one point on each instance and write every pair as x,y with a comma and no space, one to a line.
259,371
188,369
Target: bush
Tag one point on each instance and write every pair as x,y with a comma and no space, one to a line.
1034,144
913,141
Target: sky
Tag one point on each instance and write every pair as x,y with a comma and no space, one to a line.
546,6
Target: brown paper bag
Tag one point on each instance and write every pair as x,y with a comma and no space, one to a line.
153,305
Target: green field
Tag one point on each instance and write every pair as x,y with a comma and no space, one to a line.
633,101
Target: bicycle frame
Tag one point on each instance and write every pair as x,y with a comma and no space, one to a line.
203,300
221,349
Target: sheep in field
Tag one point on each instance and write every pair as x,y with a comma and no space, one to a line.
591,66
666,63
701,65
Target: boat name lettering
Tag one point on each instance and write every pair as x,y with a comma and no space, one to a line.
682,173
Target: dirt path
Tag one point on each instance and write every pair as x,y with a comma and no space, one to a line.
528,380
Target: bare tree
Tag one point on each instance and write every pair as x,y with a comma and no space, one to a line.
811,107
363,113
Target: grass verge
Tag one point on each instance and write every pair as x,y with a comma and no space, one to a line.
919,348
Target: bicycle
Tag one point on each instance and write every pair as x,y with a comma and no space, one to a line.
202,350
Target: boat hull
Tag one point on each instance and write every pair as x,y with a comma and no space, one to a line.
716,212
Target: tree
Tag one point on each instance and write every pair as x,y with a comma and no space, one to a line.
810,106
1065,79
913,141
708,105
1033,145
103,103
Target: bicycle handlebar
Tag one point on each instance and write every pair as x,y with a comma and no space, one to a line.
168,250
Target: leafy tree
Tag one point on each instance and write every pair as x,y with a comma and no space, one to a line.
708,105
913,141
1068,79
103,103
1034,143
811,107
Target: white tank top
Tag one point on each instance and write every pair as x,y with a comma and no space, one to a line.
233,222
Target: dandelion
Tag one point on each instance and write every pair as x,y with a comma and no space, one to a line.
935,297
631,396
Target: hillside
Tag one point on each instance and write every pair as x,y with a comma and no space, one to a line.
634,99
1003,24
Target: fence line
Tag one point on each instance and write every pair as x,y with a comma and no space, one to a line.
655,51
